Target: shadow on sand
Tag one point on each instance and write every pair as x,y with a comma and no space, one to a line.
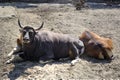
20,67
94,60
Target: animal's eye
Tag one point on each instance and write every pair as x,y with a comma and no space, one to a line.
24,32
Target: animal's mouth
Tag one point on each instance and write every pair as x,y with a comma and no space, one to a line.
26,41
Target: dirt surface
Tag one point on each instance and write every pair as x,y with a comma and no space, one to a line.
62,18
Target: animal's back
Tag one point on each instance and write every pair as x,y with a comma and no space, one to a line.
60,43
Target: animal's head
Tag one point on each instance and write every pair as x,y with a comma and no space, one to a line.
28,33
97,46
101,48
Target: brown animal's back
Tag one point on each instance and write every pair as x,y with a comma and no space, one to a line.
95,45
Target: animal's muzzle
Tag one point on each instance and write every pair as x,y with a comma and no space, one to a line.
109,54
112,57
25,40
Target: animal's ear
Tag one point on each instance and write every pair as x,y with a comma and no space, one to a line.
40,27
20,30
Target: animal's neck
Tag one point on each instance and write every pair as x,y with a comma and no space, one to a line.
30,50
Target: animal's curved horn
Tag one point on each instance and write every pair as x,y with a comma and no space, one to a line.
40,26
19,24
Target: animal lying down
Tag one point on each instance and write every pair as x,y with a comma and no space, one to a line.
96,46
40,45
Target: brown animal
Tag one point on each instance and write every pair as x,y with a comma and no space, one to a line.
96,46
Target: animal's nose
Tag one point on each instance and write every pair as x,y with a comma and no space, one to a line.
25,38
112,57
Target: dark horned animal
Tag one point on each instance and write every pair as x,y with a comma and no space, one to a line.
45,45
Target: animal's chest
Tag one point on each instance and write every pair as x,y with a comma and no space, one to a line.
32,53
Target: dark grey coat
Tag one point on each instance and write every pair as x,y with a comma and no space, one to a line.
48,45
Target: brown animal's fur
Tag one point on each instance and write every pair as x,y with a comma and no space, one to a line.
19,41
96,46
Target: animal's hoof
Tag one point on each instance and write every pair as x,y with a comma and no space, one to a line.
73,62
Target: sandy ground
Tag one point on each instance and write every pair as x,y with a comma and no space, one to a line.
61,18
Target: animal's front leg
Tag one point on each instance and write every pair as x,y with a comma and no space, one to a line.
15,50
10,60
14,58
